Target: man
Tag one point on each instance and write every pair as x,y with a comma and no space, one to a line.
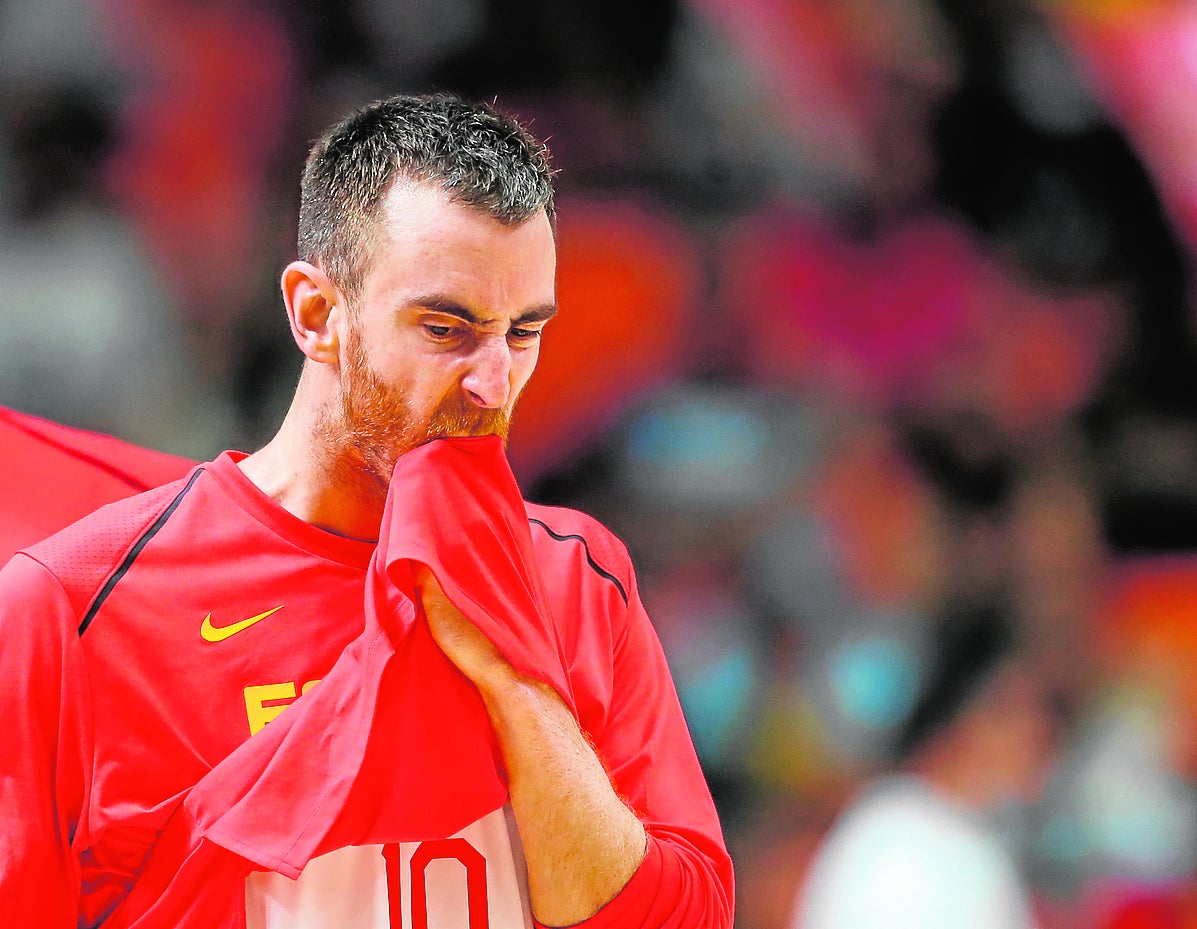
228,708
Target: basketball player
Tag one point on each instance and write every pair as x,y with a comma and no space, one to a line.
352,679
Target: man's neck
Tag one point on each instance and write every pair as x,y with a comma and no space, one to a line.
294,470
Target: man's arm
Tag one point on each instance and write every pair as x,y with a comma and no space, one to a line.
581,842
42,772
591,858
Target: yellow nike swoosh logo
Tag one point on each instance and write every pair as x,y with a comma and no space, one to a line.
212,633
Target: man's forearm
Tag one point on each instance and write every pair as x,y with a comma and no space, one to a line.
581,841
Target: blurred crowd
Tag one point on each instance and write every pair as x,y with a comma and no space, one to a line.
877,348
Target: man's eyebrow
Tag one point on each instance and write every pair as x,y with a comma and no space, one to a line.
441,304
449,307
538,314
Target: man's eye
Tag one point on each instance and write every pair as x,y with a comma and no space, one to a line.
523,335
439,332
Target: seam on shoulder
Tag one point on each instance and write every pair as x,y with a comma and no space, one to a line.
598,569
131,555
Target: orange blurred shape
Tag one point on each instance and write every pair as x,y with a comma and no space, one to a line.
1149,626
1110,10
1154,601
883,521
627,282
1042,354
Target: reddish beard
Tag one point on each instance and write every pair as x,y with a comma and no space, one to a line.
378,423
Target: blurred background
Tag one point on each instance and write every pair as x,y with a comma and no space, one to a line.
878,325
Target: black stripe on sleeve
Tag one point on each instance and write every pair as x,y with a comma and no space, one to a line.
589,558
136,550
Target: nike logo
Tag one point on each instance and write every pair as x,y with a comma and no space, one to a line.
212,633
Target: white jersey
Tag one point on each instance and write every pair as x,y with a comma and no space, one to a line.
475,879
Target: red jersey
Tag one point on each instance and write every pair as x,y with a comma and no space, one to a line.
151,648
52,475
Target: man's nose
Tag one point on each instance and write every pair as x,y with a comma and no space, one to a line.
488,382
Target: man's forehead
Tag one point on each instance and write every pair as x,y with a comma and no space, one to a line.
407,193
409,201
430,251
430,235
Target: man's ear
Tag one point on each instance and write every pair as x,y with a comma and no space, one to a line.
314,309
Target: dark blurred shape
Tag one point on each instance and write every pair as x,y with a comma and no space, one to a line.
1149,466
1072,203
966,459
1050,198
969,645
59,142
609,47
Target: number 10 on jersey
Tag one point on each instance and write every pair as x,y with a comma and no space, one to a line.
426,854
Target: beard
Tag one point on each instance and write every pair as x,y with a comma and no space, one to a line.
375,423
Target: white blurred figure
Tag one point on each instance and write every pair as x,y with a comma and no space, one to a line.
93,340
920,848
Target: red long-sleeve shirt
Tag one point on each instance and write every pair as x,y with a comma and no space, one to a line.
135,792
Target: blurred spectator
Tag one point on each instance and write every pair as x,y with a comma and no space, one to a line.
1123,812
920,848
210,99
95,340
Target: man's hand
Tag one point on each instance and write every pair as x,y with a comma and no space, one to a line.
581,842
463,644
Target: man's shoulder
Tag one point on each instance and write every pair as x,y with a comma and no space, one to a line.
83,554
560,521
564,516
575,536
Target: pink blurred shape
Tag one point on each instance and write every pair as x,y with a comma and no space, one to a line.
1141,60
916,315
